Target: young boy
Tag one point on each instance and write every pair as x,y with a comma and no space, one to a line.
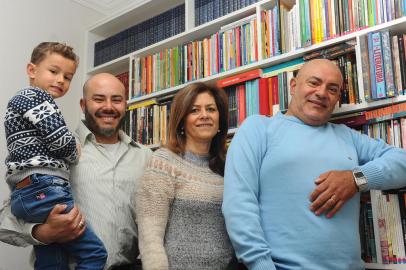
40,150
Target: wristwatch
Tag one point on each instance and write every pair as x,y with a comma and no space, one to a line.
360,180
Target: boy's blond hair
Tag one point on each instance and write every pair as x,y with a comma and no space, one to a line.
45,48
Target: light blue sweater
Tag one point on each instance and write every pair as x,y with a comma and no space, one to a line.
270,171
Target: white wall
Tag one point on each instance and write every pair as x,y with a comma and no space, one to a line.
24,24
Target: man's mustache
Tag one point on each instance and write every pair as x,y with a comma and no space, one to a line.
107,113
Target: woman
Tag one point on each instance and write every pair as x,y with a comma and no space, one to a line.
178,201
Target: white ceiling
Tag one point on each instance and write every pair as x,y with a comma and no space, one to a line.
107,7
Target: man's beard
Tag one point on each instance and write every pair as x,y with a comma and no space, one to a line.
105,132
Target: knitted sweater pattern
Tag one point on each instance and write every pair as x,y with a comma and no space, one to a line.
38,140
179,214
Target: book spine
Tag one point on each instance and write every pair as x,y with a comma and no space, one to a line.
388,66
372,67
402,58
263,96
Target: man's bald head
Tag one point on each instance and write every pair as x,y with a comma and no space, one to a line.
308,68
101,79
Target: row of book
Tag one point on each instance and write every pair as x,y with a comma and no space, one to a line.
231,47
235,45
267,91
383,213
383,64
313,21
148,123
270,32
317,20
208,10
286,28
153,30
382,227
256,92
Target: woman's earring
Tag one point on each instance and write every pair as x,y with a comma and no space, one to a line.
182,132
218,131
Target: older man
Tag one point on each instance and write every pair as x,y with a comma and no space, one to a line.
286,176
103,182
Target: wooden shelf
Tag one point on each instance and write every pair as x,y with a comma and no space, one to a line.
385,266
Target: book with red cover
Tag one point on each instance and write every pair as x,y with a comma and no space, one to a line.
275,93
270,96
351,121
242,113
239,78
263,97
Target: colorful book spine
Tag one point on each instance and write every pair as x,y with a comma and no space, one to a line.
372,67
378,65
388,66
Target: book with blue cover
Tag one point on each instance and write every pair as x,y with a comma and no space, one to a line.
379,68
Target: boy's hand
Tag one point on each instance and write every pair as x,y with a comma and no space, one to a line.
78,150
60,227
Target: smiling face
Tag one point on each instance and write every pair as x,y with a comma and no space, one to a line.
202,122
104,106
53,74
315,92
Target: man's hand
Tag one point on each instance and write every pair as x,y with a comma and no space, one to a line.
60,227
333,189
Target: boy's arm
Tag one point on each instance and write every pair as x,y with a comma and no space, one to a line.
39,108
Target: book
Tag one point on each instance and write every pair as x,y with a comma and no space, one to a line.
388,67
142,104
285,66
263,96
366,77
402,58
239,78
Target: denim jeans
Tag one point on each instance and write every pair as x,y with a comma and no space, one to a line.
33,203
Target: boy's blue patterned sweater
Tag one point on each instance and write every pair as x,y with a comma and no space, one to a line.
38,140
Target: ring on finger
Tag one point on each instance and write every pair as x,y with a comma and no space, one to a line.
81,224
333,199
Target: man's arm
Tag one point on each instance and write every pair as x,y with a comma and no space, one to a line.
383,165
58,227
241,190
39,108
13,231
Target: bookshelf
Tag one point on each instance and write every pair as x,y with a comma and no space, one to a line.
193,31
384,267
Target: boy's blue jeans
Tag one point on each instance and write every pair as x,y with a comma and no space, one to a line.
34,202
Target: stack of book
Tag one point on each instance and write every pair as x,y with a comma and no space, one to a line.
153,30
383,64
208,10
147,122
233,46
288,27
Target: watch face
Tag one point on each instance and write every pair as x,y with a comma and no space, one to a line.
358,174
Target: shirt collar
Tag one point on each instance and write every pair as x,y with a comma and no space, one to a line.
84,134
